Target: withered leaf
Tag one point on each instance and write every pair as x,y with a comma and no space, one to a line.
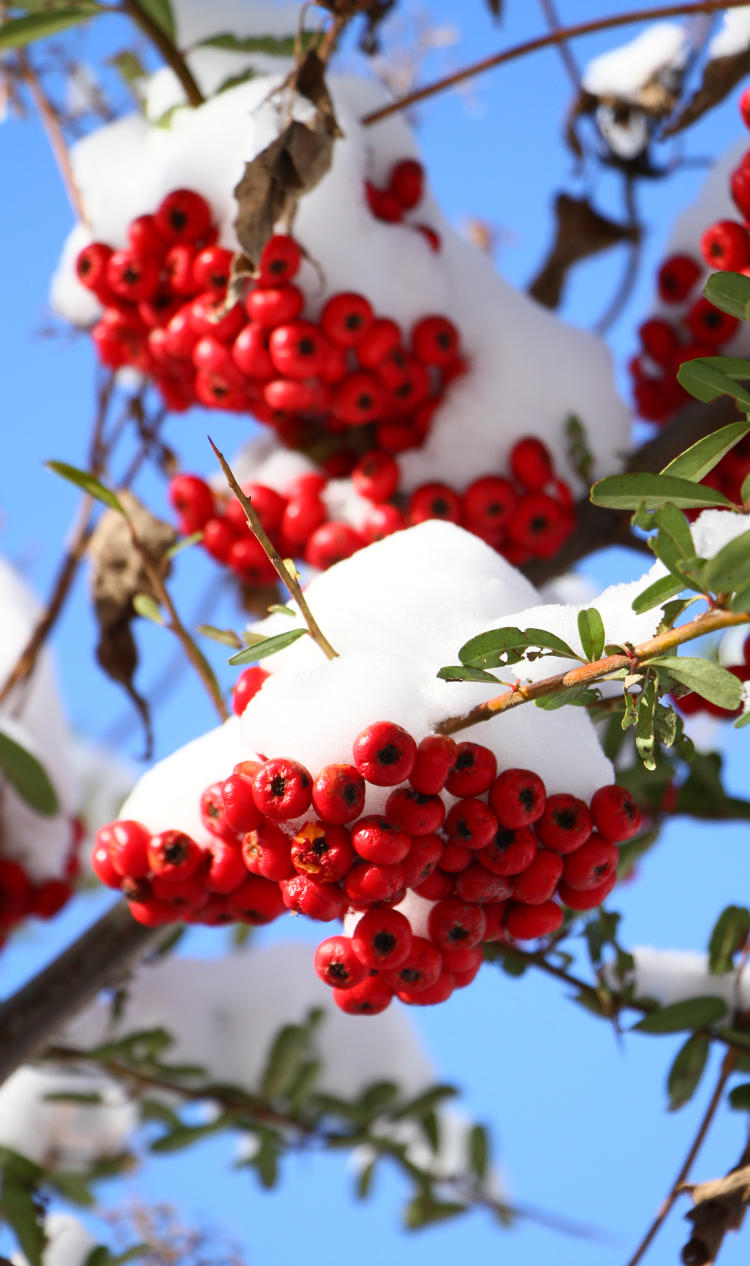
275,180
580,232
117,575
720,76
719,1206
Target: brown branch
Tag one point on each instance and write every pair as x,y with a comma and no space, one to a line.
51,124
727,1068
632,265
169,51
285,574
709,622
545,41
568,60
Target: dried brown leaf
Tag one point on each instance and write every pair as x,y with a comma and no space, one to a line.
719,1206
580,232
720,76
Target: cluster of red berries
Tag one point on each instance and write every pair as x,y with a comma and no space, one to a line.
489,861
22,897
526,516
402,193
691,702
697,328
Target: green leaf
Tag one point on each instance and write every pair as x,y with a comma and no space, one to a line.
628,492
730,568
501,647
184,543
271,45
745,490
696,461
364,1179
728,935
376,1097
160,12
707,679
186,1135
687,1070
277,608
425,1209
658,593
425,1102
707,377
478,1148
27,777
23,1213
73,1186
267,646
266,1161
87,483
645,739
458,672
227,637
742,721
591,633
741,600
288,1050
147,607
692,1013
18,32
550,642
739,1097
730,292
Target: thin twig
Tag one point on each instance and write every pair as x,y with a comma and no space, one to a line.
169,51
568,60
54,133
709,622
727,1068
284,573
545,41
632,264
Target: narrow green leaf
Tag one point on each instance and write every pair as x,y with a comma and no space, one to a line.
657,593
186,1135
271,45
184,543
730,568
692,1013
708,377
376,1097
730,292
645,739
23,1213
707,679
742,721
628,492
160,12
27,777
267,646
550,642
741,600
739,1097
277,608
226,636
495,649
147,607
18,32
457,672
591,633
478,1148
288,1050
687,1070
696,461
745,490
425,1102
425,1209
728,935
364,1179
267,1164
87,483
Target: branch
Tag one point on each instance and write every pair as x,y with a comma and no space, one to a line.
568,60
169,51
600,669
285,573
727,1068
54,133
544,41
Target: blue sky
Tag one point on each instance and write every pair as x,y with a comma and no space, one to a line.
579,1122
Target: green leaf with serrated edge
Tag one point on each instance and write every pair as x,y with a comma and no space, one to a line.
458,672
160,12
268,646
271,45
658,593
28,778
708,377
226,636
707,679
18,32
730,292
148,608
628,492
687,1070
692,1013
696,462
728,935
87,483
24,1215
184,543
739,1097
591,633
644,730
730,568
478,1148
277,608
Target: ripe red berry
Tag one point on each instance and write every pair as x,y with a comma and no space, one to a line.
420,970
128,843
250,353
376,476
151,912
382,939
709,325
331,543
539,881
337,964
181,894
101,864
565,824
382,521
378,840
266,851
676,277
453,923
227,869
474,770
256,901
540,525
346,318
381,338
358,398
241,813
302,516
435,758
526,923
370,997
193,500
455,857
437,886
279,260
208,317
435,341
247,686
616,814
588,898
488,505
659,340
518,797
298,349
476,883
282,789
431,237
434,501
406,182
509,852
413,812
531,463
183,216
470,823
422,858
368,883
726,245
338,793
274,305
433,994
174,855
49,897
592,864
383,204
322,902
144,236
323,851
384,754
91,265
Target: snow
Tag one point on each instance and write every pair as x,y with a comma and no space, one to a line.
63,1134
734,36
624,71
713,529
124,169
69,1242
670,976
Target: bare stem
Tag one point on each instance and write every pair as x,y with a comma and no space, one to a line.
587,674
568,60
54,133
284,573
558,36
169,51
727,1067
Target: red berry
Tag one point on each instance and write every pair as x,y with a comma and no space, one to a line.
227,869
382,521
454,923
676,277
378,840
474,770
256,901
180,894
589,898
183,216
384,205
437,886
282,789
250,353
266,851
431,237
659,340
518,797
413,812
279,260
274,305
211,269
434,501
376,476
438,992
470,823
378,341
435,341
241,813
298,349
132,276
422,858
708,325
91,265
151,912
337,964
357,398
49,897
338,793
370,997
509,852
174,855
382,939
488,505
247,686
193,500
539,881
526,923
616,814
531,463
565,824
322,902
726,245
128,843
476,883
346,318
406,182
540,525
331,543
323,851
178,269
207,316
435,758
455,857
744,104
384,754
144,236
368,883
101,864
420,970
591,865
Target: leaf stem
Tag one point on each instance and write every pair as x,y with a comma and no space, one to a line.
280,567
169,51
51,124
708,622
